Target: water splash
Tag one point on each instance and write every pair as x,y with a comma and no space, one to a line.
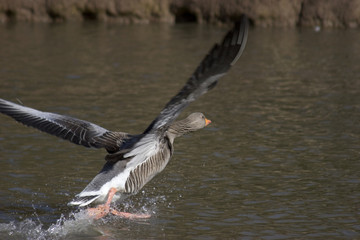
76,224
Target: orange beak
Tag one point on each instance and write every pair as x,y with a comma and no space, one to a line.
207,121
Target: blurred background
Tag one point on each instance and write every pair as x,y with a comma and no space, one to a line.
272,13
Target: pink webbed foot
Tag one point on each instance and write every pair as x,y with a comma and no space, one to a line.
129,215
104,209
98,212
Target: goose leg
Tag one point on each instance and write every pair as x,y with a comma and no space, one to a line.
103,209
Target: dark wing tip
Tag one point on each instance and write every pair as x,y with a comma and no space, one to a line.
240,36
72,129
223,56
215,65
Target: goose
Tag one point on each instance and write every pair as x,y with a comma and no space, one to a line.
132,160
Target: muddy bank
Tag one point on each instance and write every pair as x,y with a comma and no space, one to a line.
263,13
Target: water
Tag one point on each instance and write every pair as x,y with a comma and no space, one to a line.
280,159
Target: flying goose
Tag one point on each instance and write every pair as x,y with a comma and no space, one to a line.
133,160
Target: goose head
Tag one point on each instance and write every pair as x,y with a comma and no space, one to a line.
193,122
196,121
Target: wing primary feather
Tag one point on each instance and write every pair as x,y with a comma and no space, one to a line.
72,129
215,64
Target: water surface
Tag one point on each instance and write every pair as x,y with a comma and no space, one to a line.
280,159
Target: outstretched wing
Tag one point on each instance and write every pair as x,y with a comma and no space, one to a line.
213,66
75,130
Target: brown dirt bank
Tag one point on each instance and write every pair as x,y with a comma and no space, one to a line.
264,13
